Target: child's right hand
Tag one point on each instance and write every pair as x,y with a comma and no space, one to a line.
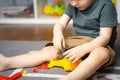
58,40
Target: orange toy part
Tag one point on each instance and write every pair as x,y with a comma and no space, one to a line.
74,65
55,14
58,1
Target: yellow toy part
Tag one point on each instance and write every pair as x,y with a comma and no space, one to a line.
64,63
115,2
48,9
25,72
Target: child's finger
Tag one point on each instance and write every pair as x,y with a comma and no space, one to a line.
68,56
71,58
65,53
57,46
75,60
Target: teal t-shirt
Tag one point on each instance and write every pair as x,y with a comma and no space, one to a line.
101,13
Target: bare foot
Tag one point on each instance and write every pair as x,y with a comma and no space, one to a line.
3,63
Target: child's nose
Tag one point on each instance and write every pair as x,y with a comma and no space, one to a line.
75,4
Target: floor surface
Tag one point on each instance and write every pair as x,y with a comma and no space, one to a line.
13,48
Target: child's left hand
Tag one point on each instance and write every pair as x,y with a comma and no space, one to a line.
75,53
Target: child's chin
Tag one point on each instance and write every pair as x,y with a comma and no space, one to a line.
82,9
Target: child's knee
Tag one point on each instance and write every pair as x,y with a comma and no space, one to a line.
101,53
52,52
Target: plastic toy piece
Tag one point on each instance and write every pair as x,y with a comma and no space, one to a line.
64,63
16,76
35,70
55,10
43,66
48,9
58,0
13,77
25,72
55,14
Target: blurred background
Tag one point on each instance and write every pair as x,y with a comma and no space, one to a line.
33,20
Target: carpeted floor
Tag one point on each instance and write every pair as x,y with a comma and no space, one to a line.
12,48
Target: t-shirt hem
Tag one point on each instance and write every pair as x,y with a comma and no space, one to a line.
110,25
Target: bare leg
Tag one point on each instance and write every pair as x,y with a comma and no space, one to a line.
3,62
28,60
95,60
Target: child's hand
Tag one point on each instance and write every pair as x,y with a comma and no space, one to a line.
75,53
59,41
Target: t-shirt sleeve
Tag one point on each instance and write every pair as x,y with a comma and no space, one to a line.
69,10
108,16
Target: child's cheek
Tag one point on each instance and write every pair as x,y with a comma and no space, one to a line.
86,4
83,6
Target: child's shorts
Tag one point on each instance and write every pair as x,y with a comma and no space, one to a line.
79,40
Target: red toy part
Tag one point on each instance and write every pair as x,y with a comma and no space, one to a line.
3,77
43,66
17,75
13,77
35,70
